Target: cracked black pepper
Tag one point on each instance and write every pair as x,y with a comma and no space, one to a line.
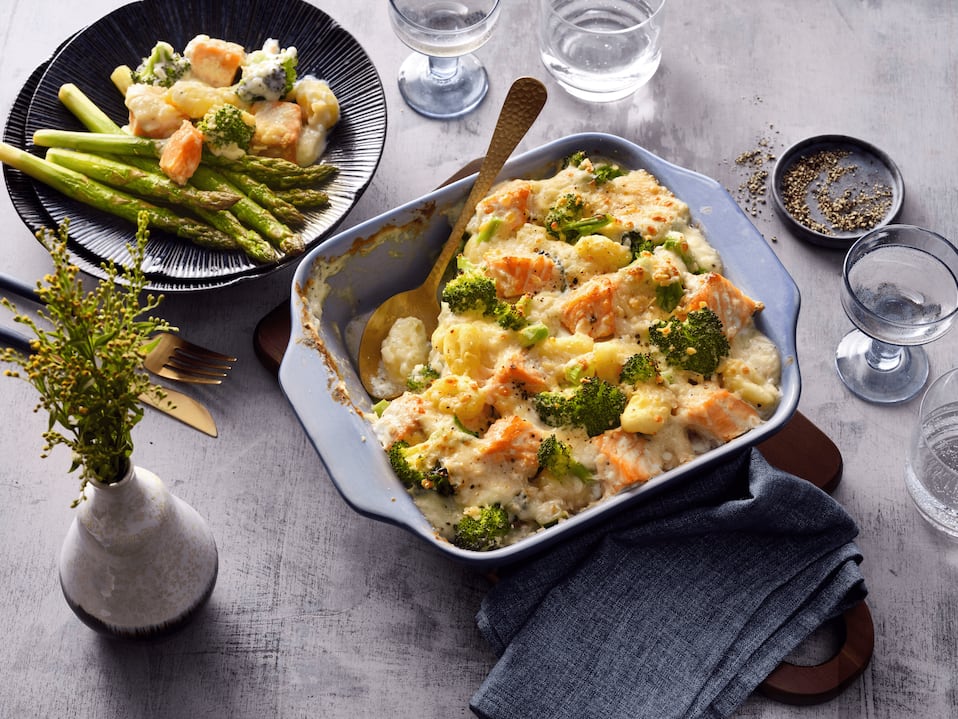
813,195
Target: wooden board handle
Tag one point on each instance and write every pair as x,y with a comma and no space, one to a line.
805,685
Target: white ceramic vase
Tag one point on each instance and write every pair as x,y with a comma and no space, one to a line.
137,562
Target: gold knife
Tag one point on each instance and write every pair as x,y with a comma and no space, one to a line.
176,404
184,408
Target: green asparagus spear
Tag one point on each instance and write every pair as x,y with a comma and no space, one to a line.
254,245
250,242
81,188
150,185
252,214
85,110
273,171
303,198
265,197
99,143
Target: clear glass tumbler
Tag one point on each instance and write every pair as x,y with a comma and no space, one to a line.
601,50
931,469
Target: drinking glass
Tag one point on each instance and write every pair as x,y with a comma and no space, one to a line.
600,50
931,469
442,79
899,288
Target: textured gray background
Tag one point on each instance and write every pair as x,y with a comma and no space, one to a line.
321,612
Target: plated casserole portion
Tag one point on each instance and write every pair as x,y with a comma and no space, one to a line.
588,342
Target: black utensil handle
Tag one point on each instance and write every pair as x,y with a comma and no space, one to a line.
15,340
9,284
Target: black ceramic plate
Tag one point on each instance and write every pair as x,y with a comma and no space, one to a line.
129,33
852,168
19,186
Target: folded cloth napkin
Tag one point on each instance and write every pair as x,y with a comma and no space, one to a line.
678,607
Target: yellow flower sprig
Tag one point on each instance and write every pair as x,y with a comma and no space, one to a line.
88,364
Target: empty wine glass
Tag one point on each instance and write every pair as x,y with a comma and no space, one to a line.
441,79
900,289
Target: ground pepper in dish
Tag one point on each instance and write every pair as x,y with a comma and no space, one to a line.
817,176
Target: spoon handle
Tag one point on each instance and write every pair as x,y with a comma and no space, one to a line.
521,107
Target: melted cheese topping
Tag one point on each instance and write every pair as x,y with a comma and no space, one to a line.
595,297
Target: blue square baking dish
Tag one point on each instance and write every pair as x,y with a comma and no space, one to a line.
340,282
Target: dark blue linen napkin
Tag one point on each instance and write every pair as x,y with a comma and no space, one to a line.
679,607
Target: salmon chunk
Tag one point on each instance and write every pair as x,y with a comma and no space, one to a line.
512,442
213,61
621,460
717,413
509,204
522,275
516,374
278,127
182,153
591,309
732,306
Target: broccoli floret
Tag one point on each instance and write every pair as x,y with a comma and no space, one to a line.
509,317
436,478
268,75
696,344
422,376
667,297
227,130
556,456
638,368
604,173
565,220
598,406
554,408
575,159
675,242
595,405
482,528
474,291
471,291
163,67
408,475
636,243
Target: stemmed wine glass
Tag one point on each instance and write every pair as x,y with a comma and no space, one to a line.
900,289
441,79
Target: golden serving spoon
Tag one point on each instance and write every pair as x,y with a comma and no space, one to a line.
519,110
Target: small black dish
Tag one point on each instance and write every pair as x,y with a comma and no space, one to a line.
853,177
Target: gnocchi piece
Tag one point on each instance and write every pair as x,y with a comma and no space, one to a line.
194,98
456,395
467,348
648,409
317,101
150,113
603,254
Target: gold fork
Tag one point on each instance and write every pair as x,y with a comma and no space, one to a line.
173,357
